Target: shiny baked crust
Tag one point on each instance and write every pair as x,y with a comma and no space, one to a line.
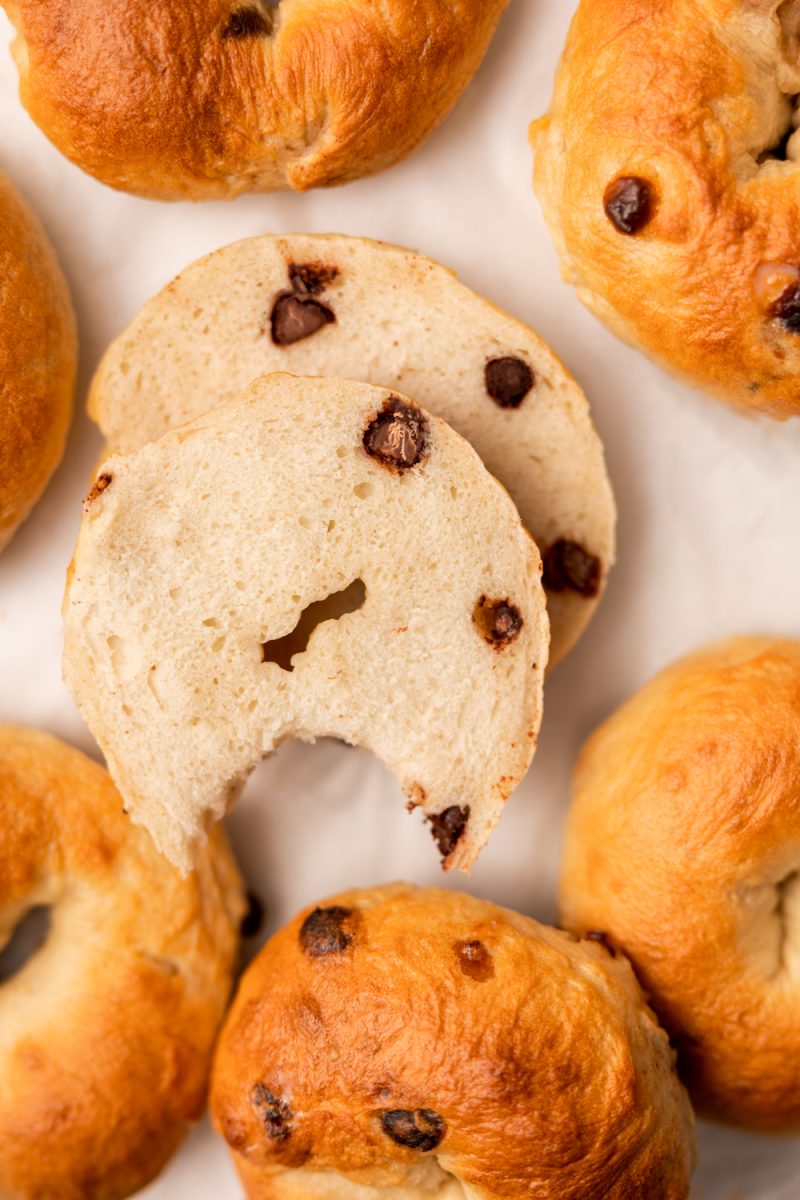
106,1033
200,100
38,353
695,98
400,1043
683,844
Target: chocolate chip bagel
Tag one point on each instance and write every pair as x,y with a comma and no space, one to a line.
667,172
106,1032
209,98
683,845
38,354
196,640
359,309
399,1043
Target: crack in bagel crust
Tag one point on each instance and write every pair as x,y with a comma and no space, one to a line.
677,124
208,100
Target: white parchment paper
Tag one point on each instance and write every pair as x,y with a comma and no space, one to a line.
709,516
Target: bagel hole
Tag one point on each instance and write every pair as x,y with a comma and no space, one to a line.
282,651
29,935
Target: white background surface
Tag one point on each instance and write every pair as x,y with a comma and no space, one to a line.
709,515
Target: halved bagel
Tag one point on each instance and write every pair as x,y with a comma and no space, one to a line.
200,554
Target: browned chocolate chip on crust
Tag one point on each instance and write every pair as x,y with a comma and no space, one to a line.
247,23
327,931
499,621
309,279
421,1129
602,939
398,437
568,567
275,1114
508,381
474,960
295,318
253,919
786,308
629,203
98,487
448,828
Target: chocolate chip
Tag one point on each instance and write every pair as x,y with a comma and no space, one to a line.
786,308
474,960
499,621
98,487
275,1113
508,381
422,1129
247,23
398,436
567,566
602,939
309,279
448,828
295,318
629,203
253,919
325,931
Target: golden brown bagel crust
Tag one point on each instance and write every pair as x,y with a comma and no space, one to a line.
521,1063
38,353
106,1033
193,100
689,96
683,844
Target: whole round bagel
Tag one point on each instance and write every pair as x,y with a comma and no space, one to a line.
359,309
683,846
667,170
209,98
400,1043
314,558
106,1032
38,355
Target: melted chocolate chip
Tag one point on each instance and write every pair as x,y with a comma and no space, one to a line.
602,939
629,203
421,1129
508,381
309,279
448,828
275,1113
253,919
296,317
786,308
247,23
499,621
398,437
568,567
98,487
325,931
474,960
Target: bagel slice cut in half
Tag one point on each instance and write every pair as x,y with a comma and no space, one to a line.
191,638
359,309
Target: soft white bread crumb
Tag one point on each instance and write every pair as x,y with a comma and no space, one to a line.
396,319
199,548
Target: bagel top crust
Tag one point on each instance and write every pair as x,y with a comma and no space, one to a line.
106,1033
38,355
209,98
683,845
693,100
403,1042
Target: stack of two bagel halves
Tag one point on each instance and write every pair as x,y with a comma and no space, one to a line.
272,550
